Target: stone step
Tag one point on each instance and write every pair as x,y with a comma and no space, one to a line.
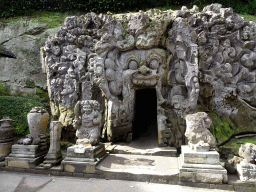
158,151
139,168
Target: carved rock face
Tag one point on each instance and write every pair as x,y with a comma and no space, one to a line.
208,55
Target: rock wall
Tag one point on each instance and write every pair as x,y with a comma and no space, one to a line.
196,61
24,38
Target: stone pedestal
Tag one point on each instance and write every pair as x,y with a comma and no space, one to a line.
82,159
30,151
25,156
201,166
6,137
54,155
246,171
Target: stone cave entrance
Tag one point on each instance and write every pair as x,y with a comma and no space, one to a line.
145,131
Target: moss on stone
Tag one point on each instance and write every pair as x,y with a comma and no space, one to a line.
3,90
234,144
222,128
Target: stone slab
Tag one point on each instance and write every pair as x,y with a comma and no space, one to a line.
89,153
23,162
157,151
22,155
25,149
190,156
79,167
130,166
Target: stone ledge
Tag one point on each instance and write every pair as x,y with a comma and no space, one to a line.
234,186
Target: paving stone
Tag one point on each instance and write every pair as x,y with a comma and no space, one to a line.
78,175
222,186
18,169
57,173
64,173
46,172
91,175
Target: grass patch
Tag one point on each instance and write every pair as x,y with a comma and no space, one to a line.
51,19
249,17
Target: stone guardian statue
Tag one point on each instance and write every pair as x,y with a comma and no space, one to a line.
87,122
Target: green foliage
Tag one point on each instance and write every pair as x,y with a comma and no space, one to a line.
13,8
222,128
30,83
3,90
43,94
64,145
17,108
234,144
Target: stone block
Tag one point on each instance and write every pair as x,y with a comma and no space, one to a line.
89,153
79,167
23,162
56,173
25,149
66,174
204,171
190,156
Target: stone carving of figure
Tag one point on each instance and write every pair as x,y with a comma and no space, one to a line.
197,131
70,89
87,122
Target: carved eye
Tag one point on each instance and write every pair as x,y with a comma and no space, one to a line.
154,64
133,65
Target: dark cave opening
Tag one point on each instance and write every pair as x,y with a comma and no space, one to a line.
145,119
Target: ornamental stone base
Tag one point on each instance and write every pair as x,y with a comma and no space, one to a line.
83,160
25,156
201,166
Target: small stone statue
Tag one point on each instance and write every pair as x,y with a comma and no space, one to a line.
197,131
87,122
248,152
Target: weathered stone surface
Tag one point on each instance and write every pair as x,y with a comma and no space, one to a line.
197,133
6,137
201,167
87,122
24,37
30,151
191,58
54,154
37,122
231,164
83,159
248,152
246,171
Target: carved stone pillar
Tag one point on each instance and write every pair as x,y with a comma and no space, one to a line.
54,155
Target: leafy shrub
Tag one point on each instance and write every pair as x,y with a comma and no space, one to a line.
13,8
17,108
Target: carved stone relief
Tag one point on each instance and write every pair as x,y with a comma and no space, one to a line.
180,55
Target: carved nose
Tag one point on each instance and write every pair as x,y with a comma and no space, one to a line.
144,70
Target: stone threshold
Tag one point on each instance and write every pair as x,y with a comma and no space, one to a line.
157,151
